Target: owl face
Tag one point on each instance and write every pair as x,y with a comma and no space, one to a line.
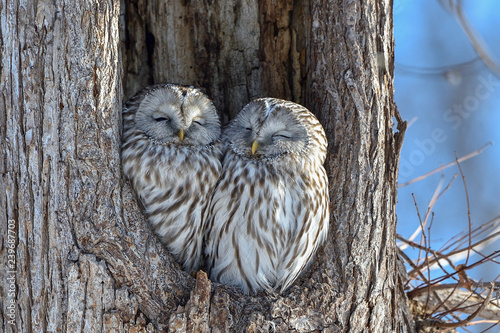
180,115
267,129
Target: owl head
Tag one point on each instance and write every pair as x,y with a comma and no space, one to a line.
176,114
270,128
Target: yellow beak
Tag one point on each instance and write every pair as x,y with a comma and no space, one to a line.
181,134
255,145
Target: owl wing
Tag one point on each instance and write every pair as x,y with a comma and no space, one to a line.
240,240
309,205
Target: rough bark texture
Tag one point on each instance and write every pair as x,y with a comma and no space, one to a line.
85,258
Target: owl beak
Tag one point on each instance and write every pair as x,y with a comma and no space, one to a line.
255,145
181,134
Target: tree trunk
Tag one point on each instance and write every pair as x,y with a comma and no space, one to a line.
77,254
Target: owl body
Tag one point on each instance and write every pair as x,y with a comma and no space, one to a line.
269,211
171,154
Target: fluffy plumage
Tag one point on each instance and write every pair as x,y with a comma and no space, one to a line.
172,156
269,211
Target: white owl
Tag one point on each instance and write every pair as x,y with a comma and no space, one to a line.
269,212
171,155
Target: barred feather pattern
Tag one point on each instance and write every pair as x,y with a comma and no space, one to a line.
269,212
174,180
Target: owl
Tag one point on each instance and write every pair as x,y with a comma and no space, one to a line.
269,211
171,153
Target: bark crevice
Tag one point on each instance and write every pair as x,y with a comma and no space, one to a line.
86,256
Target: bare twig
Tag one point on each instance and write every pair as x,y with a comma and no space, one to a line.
457,271
484,256
443,256
417,270
428,246
411,121
468,209
481,48
441,168
477,42
463,67
475,306
443,305
448,286
421,230
482,229
473,315
433,201
410,262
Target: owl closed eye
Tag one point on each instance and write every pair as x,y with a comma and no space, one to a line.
168,115
267,137
269,211
171,155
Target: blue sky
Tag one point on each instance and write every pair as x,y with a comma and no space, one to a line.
451,108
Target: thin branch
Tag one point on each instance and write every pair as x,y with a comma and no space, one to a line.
438,280
467,66
434,252
495,323
421,229
434,199
428,246
465,305
460,302
441,168
484,256
483,228
468,209
411,122
458,270
453,253
457,254
473,315
410,262
477,42
447,286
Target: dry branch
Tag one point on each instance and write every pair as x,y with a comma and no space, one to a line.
443,306
441,168
461,300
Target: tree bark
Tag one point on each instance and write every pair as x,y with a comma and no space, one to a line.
86,260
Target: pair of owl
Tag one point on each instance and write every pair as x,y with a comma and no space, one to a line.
249,205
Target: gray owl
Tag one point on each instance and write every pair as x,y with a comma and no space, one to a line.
171,155
269,211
